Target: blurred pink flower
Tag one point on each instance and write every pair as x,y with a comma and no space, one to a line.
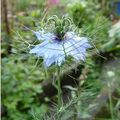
53,2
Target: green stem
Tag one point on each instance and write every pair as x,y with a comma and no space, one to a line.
111,104
59,94
46,72
59,87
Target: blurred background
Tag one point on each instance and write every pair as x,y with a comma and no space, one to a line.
27,90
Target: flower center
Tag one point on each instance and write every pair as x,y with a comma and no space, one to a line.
58,38
61,26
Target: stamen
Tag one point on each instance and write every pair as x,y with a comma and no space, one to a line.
60,26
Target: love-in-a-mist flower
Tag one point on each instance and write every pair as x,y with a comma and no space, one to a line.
59,44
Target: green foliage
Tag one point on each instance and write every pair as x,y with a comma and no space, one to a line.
82,13
38,113
22,5
97,31
91,21
20,87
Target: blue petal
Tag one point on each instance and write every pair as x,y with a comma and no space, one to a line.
60,59
51,52
48,61
39,49
76,47
41,35
69,35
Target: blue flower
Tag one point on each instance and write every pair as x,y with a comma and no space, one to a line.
55,50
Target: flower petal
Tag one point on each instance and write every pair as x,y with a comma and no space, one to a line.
41,35
76,47
39,49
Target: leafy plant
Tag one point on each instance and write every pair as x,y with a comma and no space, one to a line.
20,87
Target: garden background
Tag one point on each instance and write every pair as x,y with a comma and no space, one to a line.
91,90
